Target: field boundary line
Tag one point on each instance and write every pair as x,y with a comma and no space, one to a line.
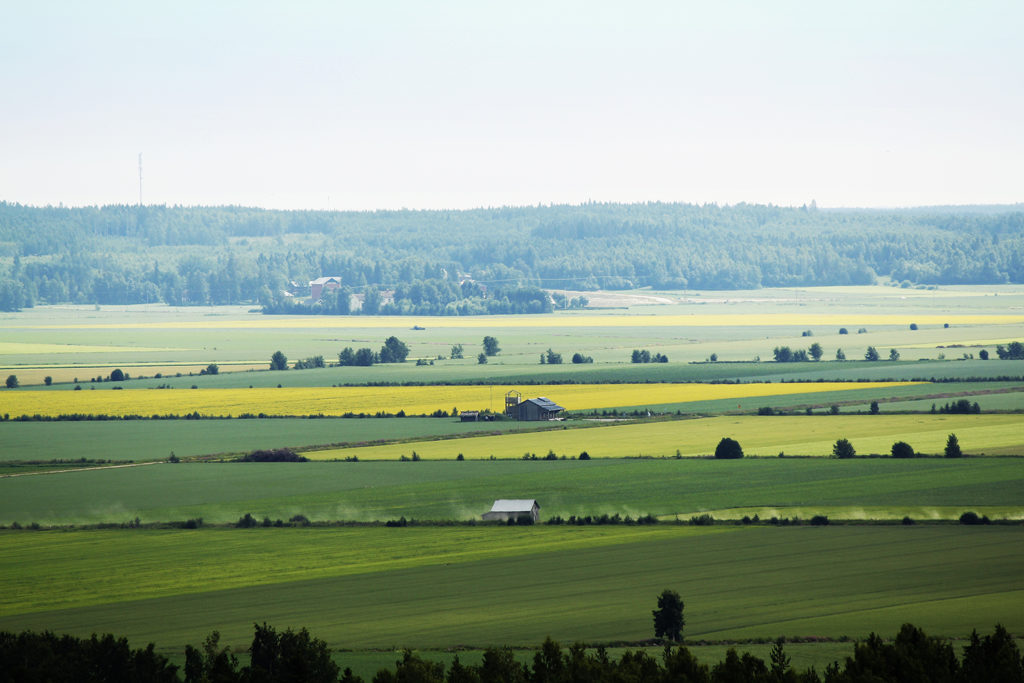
80,469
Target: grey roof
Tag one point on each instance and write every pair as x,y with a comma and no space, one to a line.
514,505
544,402
325,280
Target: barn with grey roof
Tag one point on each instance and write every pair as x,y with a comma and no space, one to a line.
506,509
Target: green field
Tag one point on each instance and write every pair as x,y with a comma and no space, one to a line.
367,491
147,440
435,587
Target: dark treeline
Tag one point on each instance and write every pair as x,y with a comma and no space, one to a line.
483,260
913,657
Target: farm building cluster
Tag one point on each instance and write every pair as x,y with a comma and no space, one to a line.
531,409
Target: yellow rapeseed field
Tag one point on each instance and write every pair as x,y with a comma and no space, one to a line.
414,400
554,320
762,436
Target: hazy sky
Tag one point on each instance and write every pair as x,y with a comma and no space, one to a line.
435,104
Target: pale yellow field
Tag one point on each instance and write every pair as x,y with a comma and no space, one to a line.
67,373
415,400
958,343
764,436
554,320
22,348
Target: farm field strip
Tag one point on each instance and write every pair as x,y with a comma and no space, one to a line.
229,558
836,581
869,512
744,319
141,440
452,490
411,399
18,348
812,435
67,373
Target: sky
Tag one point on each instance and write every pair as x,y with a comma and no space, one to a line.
333,104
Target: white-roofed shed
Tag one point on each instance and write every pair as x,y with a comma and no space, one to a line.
506,509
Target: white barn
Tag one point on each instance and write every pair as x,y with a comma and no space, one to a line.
504,510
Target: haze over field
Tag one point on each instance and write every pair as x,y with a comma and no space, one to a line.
344,105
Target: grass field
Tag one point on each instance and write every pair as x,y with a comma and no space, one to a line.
436,490
146,440
758,435
415,400
434,587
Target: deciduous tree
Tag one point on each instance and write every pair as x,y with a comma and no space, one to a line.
668,618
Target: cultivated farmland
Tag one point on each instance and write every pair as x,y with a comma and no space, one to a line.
924,488
417,400
758,435
368,586
429,588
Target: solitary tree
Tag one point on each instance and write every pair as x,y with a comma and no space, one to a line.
871,354
728,449
12,381
983,354
953,447
491,346
47,380
894,354
456,353
874,407
840,355
902,449
117,375
668,618
843,449
816,351
482,359
278,361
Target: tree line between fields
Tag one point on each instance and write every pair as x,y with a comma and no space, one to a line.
298,657
484,260
784,354
730,449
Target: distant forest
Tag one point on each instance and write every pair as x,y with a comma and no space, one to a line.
484,260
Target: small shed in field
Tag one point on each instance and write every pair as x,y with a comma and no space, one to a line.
504,510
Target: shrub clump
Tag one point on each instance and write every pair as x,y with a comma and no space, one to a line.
728,449
273,455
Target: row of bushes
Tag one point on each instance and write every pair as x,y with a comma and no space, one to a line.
248,521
